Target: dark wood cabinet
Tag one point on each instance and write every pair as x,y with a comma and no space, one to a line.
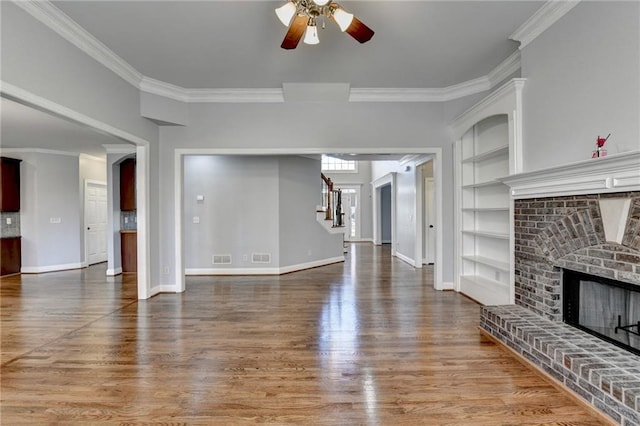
128,185
129,250
9,184
10,255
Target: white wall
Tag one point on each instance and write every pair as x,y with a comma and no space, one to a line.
362,179
582,81
302,239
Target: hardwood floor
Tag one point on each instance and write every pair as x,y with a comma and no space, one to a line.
365,342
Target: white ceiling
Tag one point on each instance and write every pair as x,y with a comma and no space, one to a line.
236,44
24,127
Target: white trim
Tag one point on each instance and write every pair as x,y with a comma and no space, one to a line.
93,158
119,148
67,28
505,69
113,272
615,173
143,221
447,286
51,268
163,289
38,151
541,20
25,97
406,259
264,271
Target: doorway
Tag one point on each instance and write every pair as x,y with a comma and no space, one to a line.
352,214
385,214
95,219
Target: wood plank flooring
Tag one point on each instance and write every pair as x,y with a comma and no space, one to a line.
367,342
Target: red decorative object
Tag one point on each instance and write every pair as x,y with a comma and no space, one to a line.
600,151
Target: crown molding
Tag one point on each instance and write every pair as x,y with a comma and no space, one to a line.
119,148
542,19
92,158
63,25
38,151
505,69
67,28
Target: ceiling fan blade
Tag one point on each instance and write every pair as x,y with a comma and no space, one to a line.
359,31
295,33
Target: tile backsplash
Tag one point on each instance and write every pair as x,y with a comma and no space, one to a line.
10,229
128,220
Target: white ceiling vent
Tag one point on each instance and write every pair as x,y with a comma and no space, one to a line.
260,258
221,259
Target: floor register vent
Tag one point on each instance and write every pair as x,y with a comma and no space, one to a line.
261,258
221,259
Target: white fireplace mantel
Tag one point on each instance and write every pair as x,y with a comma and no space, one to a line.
614,173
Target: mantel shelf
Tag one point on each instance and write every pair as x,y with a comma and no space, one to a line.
615,173
483,184
485,209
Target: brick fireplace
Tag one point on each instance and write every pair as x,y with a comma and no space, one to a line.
583,218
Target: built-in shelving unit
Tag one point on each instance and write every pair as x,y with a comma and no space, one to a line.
486,139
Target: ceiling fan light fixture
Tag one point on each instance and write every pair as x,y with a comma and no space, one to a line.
311,35
342,18
285,13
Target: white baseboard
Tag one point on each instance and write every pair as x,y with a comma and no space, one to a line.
114,272
309,265
386,242
360,240
50,268
446,286
163,289
405,258
263,271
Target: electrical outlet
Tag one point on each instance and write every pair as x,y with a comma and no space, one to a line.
196,219
309,252
55,220
245,257
126,220
165,270
8,221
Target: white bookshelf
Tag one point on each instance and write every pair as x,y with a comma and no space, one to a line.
487,150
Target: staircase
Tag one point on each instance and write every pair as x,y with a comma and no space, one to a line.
329,214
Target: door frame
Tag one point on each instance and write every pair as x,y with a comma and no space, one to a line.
88,182
388,179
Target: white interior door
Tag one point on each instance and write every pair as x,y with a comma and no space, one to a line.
351,209
429,239
95,219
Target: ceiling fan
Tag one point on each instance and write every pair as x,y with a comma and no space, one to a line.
301,17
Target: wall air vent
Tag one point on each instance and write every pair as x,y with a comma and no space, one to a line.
260,258
221,259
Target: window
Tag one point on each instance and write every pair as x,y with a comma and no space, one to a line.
332,164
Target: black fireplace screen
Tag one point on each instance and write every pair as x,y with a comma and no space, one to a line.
604,307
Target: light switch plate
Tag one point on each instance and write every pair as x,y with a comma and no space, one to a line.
55,220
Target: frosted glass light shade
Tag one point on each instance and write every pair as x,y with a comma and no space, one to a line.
286,12
321,2
311,35
343,18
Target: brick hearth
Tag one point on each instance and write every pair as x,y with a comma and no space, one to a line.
567,232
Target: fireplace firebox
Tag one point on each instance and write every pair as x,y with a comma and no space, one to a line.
606,308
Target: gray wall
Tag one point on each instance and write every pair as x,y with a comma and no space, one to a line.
302,238
254,204
582,81
49,189
385,213
239,214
